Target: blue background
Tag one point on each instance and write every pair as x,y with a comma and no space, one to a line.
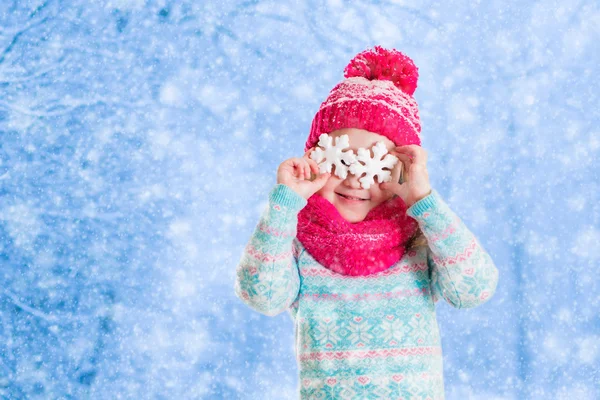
139,141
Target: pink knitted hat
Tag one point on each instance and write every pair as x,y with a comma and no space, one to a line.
376,96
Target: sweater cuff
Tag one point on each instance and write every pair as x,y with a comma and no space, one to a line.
432,200
286,197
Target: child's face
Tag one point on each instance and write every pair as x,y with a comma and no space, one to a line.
357,210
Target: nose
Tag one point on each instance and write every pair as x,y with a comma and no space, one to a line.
352,181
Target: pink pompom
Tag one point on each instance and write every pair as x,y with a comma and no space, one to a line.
384,64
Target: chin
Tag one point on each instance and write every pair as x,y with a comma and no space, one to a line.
351,216
354,220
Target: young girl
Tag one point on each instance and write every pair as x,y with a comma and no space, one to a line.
360,261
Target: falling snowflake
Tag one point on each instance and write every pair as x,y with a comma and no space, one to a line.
373,166
333,155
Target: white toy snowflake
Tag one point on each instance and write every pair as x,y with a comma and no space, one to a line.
373,166
333,155
347,161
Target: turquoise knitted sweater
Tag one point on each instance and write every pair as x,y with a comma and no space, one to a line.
365,337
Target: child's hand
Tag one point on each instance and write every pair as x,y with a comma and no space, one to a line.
295,173
416,179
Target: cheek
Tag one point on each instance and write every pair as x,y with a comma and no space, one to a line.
379,195
329,186
333,182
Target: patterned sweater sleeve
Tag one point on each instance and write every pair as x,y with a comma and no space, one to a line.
461,271
267,277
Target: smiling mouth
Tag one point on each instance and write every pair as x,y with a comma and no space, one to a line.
351,198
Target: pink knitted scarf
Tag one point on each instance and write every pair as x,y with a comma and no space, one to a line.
361,248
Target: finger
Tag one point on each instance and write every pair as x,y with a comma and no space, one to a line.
298,171
417,153
404,157
392,186
396,171
415,147
322,179
300,162
306,169
307,154
405,160
297,166
296,161
405,150
314,167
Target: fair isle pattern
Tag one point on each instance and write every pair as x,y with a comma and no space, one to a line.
365,337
